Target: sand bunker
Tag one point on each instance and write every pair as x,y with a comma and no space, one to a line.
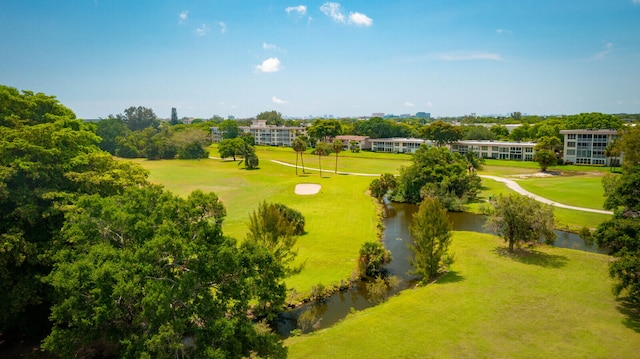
307,188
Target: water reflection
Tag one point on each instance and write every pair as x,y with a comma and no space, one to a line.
398,217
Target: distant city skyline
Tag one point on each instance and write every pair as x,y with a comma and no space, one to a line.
347,59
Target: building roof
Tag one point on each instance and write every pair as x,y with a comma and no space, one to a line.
591,130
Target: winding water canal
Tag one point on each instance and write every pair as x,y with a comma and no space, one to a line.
398,217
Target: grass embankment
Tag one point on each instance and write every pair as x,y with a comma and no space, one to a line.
551,303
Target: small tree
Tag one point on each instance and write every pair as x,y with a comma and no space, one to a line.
431,232
354,146
519,219
545,158
322,149
379,187
373,255
337,147
273,227
231,147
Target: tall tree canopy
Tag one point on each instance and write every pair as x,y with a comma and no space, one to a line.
621,234
436,172
47,157
431,232
149,274
324,130
593,120
442,133
272,117
138,118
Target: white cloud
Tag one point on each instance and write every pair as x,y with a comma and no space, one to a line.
278,101
409,104
360,19
636,2
468,56
183,16
608,48
332,9
202,30
223,27
429,104
503,31
266,46
300,9
271,64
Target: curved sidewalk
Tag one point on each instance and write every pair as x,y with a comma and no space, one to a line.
328,171
513,185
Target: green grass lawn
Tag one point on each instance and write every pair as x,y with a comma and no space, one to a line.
552,303
582,191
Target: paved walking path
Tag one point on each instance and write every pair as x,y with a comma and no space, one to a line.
511,184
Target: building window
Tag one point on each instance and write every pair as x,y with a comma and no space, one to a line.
571,152
571,144
571,136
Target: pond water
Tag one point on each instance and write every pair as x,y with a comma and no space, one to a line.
398,217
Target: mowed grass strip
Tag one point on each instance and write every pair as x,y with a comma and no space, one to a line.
551,303
581,191
338,219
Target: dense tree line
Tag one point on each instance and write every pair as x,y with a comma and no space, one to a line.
139,133
119,267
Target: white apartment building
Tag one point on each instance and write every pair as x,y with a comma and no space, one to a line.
587,147
397,145
517,151
264,134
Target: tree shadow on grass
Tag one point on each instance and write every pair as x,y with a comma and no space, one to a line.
632,312
450,277
533,257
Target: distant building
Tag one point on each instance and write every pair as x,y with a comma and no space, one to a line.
423,115
363,141
396,145
264,134
587,147
518,151
377,114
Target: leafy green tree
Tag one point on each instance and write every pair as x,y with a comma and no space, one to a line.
435,171
431,232
299,145
520,133
231,147
191,143
500,131
593,120
519,219
47,158
545,158
109,130
474,163
324,130
139,118
379,187
611,151
149,274
272,117
322,149
229,129
478,133
275,227
337,147
442,133
373,256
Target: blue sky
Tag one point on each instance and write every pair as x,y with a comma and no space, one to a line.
314,58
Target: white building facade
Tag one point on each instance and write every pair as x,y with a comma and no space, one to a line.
267,135
517,151
587,147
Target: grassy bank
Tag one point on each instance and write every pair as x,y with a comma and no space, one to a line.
552,303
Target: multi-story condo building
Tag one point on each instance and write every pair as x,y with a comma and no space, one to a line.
264,134
519,151
396,145
587,147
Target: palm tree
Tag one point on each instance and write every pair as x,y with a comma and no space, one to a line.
612,150
337,147
299,145
322,149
